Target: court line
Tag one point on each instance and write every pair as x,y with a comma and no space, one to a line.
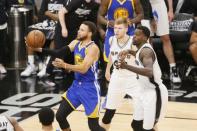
168,117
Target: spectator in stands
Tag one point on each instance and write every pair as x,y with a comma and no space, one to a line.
47,18
11,124
190,6
46,118
160,25
3,34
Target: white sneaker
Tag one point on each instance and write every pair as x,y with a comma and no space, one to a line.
2,69
174,76
42,73
30,69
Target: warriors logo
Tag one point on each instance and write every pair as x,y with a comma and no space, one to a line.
121,12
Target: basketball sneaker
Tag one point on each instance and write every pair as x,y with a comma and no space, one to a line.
174,76
2,69
29,70
42,72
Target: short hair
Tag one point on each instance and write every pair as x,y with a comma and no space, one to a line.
46,116
145,30
121,20
91,26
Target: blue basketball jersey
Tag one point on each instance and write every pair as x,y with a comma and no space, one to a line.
119,9
79,55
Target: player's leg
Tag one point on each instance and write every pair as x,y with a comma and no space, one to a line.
164,102
133,89
114,98
61,116
93,124
90,99
152,111
161,15
138,115
31,68
69,103
107,118
43,72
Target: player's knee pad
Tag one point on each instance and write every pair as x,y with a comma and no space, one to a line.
137,125
109,114
62,120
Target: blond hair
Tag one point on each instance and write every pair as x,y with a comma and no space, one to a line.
121,20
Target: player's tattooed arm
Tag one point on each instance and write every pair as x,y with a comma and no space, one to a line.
147,59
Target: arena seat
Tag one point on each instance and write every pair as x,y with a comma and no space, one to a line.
180,42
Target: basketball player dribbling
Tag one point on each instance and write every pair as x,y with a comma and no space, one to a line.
154,97
121,81
84,89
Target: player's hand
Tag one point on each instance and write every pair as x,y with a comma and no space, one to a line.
122,55
170,16
64,32
110,23
129,22
59,63
122,64
107,75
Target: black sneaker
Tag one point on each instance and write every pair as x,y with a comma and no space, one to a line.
174,76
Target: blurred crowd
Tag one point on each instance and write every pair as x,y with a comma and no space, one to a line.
60,20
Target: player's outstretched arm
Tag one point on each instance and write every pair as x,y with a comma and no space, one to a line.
147,58
64,51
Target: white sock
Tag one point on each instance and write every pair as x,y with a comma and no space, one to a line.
47,60
172,65
31,59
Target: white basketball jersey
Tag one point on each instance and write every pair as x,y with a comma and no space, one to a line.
144,80
115,49
5,124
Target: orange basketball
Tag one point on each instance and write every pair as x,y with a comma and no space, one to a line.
35,39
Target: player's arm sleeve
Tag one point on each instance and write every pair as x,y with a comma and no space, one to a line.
65,51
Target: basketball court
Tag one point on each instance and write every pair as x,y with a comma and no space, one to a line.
23,98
